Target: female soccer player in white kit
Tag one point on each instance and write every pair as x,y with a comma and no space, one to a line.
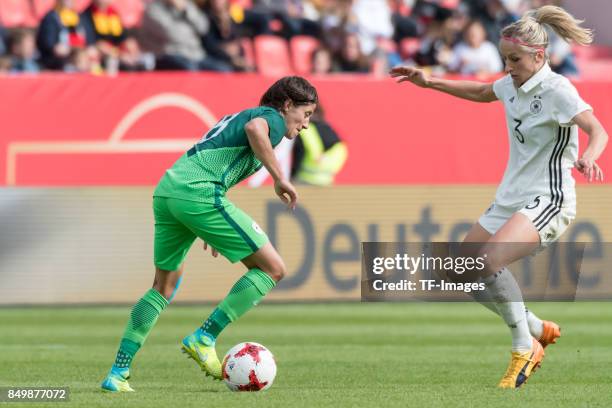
536,199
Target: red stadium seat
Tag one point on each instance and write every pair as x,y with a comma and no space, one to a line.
130,11
409,47
249,53
16,13
81,5
449,4
302,47
272,55
245,4
42,7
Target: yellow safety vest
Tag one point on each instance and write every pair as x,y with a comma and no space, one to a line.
319,167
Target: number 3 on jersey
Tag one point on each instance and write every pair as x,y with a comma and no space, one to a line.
517,133
218,128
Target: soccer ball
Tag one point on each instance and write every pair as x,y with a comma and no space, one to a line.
248,367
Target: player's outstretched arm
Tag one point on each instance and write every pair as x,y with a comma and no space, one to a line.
470,90
257,134
598,139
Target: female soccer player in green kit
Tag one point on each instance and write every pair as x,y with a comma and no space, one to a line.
190,202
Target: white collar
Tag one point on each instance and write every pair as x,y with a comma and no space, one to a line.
537,78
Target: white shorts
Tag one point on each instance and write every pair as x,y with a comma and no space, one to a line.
550,220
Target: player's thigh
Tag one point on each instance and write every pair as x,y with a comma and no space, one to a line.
470,247
172,239
516,239
476,237
223,226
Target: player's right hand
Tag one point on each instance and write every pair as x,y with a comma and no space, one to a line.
286,192
589,168
411,74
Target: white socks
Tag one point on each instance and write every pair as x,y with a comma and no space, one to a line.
508,300
535,324
484,298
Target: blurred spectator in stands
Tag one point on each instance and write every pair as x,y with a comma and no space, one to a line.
475,55
80,61
288,18
250,23
373,23
494,15
337,18
104,30
441,36
5,64
424,13
23,51
318,153
222,40
60,32
350,58
312,9
173,30
404,24
375,30
561,57
3,41
322,61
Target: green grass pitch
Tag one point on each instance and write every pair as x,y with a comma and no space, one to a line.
351,354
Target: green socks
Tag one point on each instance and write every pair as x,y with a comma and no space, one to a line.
215,323
246,293
142,319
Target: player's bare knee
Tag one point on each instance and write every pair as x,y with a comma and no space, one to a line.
164,289
165,282
277,270
489,259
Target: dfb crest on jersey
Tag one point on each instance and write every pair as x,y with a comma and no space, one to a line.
536,105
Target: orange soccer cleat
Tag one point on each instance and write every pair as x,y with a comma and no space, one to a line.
550,333
522,365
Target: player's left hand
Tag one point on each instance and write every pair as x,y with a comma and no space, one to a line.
213,251
589,168
286,192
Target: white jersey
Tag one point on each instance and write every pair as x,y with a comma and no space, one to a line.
542,137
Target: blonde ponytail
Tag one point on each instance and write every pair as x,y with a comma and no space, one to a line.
564,24
530,33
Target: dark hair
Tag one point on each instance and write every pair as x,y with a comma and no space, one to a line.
293,88
18,35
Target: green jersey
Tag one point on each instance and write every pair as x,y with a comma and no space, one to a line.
221,159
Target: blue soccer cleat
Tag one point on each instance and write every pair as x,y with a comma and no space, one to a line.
116,381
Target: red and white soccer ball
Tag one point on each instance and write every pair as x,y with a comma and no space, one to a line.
248,367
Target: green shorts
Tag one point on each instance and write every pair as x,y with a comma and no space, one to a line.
222,225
